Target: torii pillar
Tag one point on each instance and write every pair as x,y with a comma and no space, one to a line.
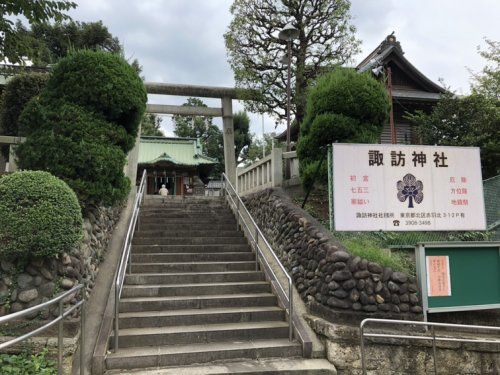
228,130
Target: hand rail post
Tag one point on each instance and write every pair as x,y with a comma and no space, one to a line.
290,309
257,249
362,347
117,298
434,349
82,333
60,338
237,214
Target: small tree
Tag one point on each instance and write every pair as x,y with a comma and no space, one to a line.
242,137
343,106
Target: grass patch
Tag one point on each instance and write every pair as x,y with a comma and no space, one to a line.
369,250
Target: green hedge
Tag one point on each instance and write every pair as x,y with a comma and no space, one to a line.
103,83
18,92
39,216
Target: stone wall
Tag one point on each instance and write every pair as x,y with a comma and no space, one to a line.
322,269
397,356
26,284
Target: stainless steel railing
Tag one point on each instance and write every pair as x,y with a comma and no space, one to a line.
62,314
238,206
126,253
432,336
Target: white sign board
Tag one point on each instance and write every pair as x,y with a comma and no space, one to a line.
407,188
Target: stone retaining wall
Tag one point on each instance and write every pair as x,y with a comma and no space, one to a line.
398,356
323,270
26,284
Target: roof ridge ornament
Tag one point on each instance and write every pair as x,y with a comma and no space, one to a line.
390,40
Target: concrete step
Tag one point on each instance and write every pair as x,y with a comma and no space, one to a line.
193,257
210,248
187,233
258,366
188,240
180,214
195,334
200,316
189,222
195,289
192,267
196,277
212,226
180,355
197,302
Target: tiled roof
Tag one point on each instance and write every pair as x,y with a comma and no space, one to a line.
179,151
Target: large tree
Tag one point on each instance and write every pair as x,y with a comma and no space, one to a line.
326,38
202,127
40,11
46,43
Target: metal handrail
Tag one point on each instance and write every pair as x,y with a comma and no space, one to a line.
433,336
239,205
59,319
126,253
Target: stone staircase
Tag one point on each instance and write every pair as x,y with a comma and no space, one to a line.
194,302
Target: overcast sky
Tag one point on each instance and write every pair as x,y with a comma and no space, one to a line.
181,41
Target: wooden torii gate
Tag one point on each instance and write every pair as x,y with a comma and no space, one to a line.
226,94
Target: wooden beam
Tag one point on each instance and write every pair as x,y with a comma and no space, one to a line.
184,110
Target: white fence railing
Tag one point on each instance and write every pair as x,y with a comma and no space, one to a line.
267,172
264,173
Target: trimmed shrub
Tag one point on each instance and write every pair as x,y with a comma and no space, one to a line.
86,152
343,106
72,121
18,92
104,84
39,216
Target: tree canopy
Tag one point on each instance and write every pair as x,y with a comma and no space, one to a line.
46,43
151,125
40,11
343,106
487,82
472,120
464,121
326,38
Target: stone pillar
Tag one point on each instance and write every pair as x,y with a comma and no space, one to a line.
3,162
228,130
277,166
12,158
